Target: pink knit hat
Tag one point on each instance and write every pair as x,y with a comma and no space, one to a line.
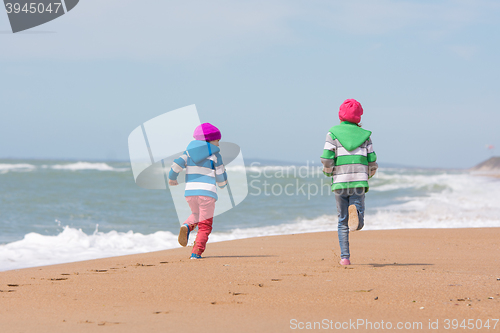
350,111
206,132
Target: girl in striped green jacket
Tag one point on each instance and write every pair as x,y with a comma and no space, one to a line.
348,158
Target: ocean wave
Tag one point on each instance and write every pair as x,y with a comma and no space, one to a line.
279,171
74,245
19,167
85,166
447,201
383,182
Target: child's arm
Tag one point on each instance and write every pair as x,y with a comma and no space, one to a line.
372,159
177,166
328,156
220,172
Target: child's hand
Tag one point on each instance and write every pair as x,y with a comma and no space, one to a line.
328,172
172,182
372,168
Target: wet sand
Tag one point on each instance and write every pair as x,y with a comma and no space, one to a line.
269,284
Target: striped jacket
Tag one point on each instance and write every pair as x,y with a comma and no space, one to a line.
204,169
348,156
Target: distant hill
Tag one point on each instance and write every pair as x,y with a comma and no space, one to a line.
493,164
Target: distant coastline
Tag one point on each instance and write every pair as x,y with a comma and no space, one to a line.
491,164
489,168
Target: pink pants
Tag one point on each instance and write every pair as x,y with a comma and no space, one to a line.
202,215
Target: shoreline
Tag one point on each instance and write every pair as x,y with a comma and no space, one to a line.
263,283
229,240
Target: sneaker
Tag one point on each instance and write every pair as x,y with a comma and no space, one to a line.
353,220
184,235
195,256
345,262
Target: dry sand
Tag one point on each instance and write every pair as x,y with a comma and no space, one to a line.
268,284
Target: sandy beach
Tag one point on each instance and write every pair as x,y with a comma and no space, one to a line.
270,284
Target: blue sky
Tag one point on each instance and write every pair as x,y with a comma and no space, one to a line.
270,74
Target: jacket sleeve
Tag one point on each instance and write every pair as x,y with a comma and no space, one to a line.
220,172
372,159
328,156
177,166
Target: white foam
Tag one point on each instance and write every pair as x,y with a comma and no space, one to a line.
450,201
74,245
20,167
385,181
85,166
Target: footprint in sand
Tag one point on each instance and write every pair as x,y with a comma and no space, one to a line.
103,323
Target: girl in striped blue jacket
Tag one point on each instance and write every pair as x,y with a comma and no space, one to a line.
204,169
349,158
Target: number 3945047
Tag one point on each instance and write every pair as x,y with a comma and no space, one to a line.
33,8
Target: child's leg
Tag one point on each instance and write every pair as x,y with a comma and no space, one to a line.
206,211
357,198
193,219
342,199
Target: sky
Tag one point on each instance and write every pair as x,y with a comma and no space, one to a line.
270,75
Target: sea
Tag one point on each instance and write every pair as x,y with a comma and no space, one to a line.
55,212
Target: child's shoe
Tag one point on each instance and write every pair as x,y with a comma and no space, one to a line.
195,256
184,235
353,221
345,262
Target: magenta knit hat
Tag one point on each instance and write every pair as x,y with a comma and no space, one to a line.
350,111
207,132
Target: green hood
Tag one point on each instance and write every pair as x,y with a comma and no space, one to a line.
350,135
